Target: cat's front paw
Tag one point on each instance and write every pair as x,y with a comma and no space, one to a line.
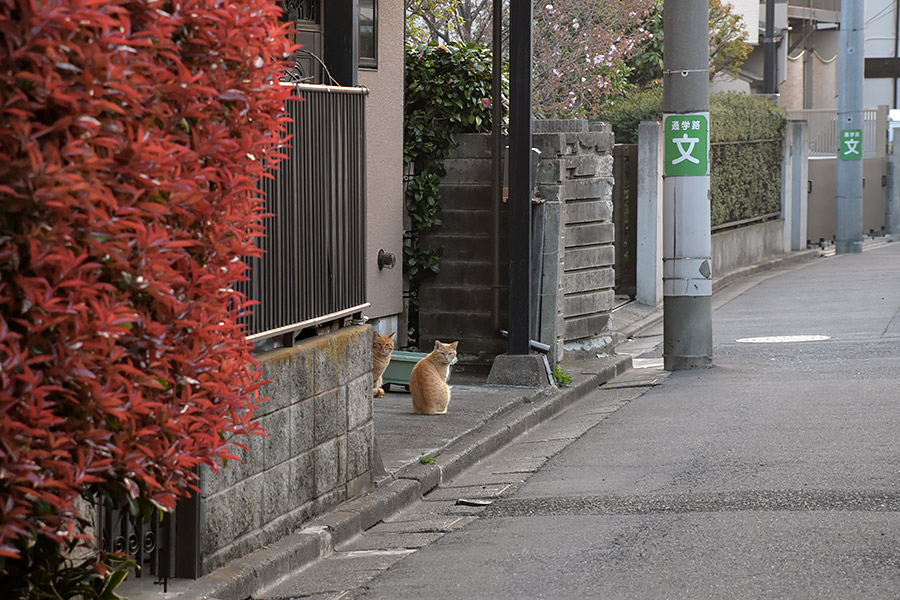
379,393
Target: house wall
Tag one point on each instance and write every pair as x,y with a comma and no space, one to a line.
318,453
384,163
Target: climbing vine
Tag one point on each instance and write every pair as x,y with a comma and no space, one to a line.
448,91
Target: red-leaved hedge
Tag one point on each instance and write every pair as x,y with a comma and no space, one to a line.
131,135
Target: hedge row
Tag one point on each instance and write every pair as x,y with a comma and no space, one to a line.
745,179
131,137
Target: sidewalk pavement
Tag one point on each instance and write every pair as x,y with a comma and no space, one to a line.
481,420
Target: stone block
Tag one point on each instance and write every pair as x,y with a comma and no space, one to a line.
456,298
463,197
550,192
460,247
600,126
588,211
526,370
359,351
551,145
277,447
216,530
303,371
590,234
329,363
277,498
588,304
581,165
467,222
474,145
303,426
277,367
330,417
584,327
588,188
302,478
585,257
468,170
550,171
359,401
560,126
330,465
588,281
600,142
360,450
245,505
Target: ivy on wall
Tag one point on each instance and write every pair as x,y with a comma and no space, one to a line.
448,91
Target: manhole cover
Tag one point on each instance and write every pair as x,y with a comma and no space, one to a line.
784,339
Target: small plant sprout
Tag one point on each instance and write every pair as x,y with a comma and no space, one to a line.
560,376
426,460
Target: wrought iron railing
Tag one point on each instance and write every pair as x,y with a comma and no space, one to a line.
313,268
166,546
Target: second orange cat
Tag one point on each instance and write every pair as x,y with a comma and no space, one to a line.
428,382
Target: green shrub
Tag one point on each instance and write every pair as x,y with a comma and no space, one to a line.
737,190
627,112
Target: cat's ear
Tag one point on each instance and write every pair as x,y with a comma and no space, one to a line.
391,334
437,344
455,344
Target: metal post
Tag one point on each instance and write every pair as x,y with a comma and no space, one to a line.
687,272
849,171
520,27
496,153
770,64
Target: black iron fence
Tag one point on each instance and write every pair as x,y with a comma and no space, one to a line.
313,268
167,546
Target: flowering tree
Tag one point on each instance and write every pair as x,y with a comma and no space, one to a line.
580,53
727,48
131,135
580,46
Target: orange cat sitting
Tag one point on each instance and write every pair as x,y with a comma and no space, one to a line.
382,346
428,382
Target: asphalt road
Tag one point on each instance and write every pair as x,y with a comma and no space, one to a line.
774,474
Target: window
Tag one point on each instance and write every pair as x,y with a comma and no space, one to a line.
368,33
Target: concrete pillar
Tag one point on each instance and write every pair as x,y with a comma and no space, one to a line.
787,185
649,214
892,193
800,184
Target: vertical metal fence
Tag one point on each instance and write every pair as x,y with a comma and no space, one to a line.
823,130
313,268
625,161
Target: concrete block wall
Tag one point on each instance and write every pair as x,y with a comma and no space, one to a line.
319,451
575,174
456,303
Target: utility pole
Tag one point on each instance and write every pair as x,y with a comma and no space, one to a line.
687,270
849,172
520,28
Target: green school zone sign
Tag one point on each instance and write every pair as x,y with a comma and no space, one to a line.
850,144
686,144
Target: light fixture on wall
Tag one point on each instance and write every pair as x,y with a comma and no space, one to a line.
386,260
